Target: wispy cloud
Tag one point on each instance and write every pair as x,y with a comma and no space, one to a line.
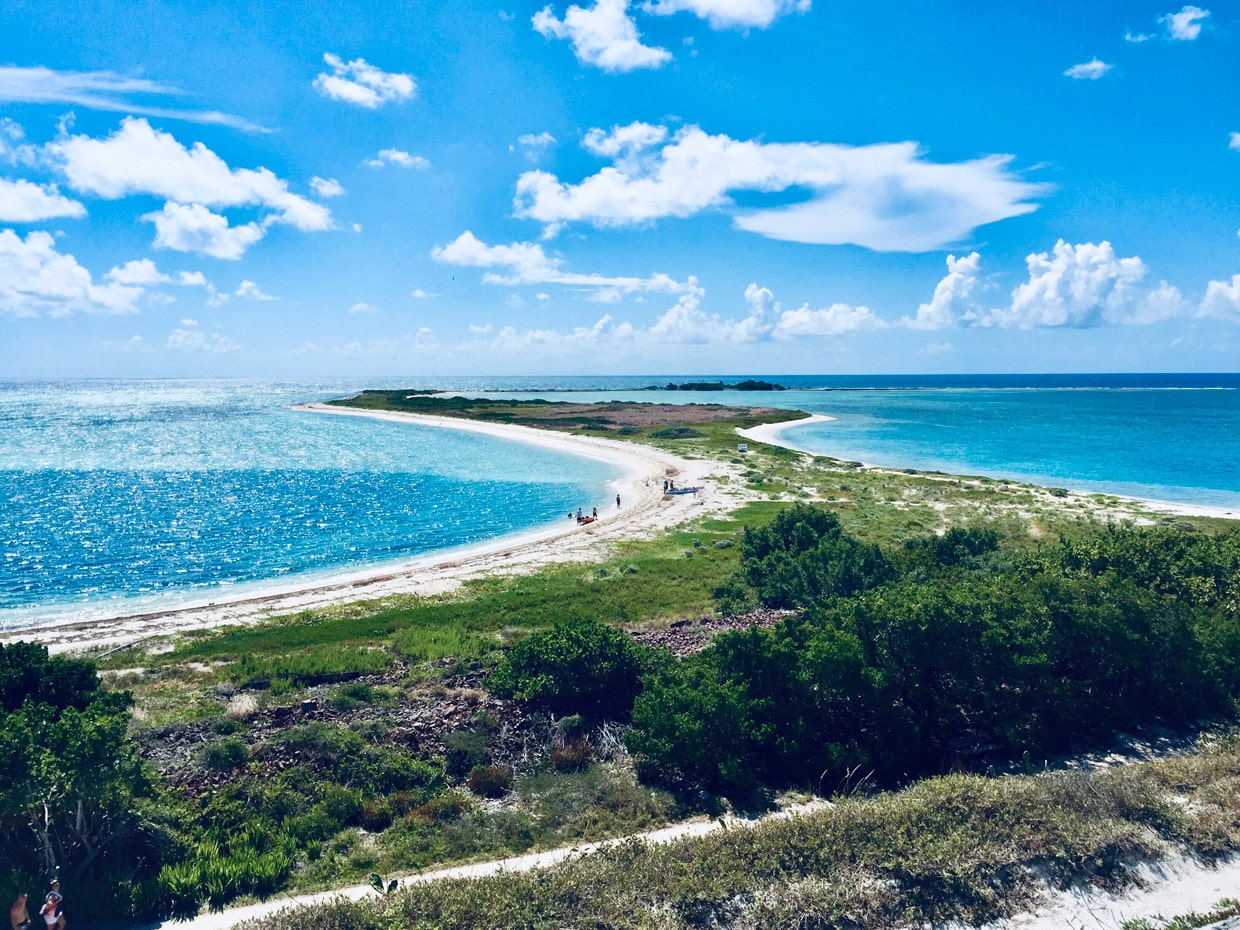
730,14
106,91
527,263
1089,71
190,338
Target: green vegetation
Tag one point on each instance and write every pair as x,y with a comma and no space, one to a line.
906,673
575,668
959,847
72,785
1191,921
625,418
945,622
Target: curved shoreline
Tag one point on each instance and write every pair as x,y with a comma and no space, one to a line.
773,434
644,512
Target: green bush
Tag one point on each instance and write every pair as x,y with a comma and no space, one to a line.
802,557
582,667
68,773
972,655
225,755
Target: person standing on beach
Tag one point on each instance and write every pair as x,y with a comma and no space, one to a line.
617,500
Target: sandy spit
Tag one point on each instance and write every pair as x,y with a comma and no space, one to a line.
644,513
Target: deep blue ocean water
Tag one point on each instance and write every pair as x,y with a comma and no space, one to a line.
121,496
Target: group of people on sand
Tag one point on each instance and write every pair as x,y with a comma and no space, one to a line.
51,911
592,516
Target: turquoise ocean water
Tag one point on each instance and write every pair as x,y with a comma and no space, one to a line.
1168,437
120,497
123,496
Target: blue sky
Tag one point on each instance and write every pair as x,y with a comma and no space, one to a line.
661,186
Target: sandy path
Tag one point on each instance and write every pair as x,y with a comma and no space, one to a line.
542,860
644,513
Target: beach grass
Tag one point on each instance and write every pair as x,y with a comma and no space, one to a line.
955,848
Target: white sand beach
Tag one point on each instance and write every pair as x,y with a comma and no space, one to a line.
644,512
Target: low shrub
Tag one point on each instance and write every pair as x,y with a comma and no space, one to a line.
490,781
226,755
572,756
464,751
443,809
352,694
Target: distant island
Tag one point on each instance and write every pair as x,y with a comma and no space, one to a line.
747,385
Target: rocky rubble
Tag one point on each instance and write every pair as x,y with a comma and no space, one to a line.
685,637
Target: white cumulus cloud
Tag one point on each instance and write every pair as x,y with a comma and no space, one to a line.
24,202
36,279
730,14
1186,24
137,159
1233,142
944,308
361,83
250,291
139,271
886,196
836,320
326,187
1089,71
604,36
1222,300
194,228
1086,285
